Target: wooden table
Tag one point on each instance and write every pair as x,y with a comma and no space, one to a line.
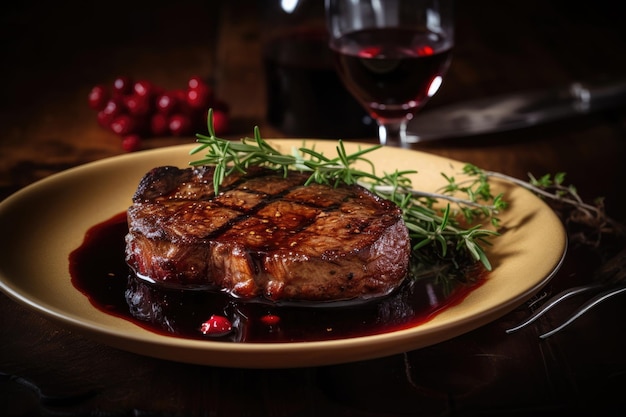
53,53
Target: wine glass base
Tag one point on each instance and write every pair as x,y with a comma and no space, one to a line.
411,139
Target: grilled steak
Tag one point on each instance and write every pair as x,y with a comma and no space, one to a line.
265,235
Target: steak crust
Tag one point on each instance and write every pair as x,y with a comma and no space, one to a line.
265,235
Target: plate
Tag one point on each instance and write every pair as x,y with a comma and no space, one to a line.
48,219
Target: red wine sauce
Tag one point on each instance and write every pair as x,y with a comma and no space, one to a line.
98,269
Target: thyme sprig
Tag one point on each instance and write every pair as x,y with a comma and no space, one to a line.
429,225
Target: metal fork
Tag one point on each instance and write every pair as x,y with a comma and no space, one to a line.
610,281
607,291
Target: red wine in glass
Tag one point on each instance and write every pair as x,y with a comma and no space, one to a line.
392,71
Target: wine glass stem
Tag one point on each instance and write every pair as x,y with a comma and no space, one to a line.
393,133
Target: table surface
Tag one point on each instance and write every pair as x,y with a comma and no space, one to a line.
53,53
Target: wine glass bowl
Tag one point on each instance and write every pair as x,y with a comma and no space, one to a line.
391,55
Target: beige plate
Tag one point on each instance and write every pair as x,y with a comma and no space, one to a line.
44,222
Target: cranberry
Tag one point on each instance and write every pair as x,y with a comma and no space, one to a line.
104,119
113,107
123,125
181,97
131,143
159,124
138,105
122,85
144,88
109,113
98,97
199,97
270,319
167,103
220,122
195,81
216,326
180,124
145,109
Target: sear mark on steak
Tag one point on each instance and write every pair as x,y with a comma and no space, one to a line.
265,235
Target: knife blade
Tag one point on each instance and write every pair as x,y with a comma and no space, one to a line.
514,111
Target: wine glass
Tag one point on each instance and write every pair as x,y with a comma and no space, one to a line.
391,55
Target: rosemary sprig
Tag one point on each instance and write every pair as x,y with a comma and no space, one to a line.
442,240
587,224
428,225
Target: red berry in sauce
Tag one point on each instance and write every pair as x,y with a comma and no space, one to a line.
270,319
98,97
131,143
216,326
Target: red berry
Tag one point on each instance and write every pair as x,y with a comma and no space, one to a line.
110,111
104,119
150,110
195,81
159,124
199,97
98,97
114,107
131,143
144,88
181,97
122,85
138,105
123,125
167,103
270,319
216,326
220,122
180,125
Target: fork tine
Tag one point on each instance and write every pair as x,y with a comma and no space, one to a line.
563,295
586,307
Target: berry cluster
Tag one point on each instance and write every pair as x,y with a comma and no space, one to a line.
136,110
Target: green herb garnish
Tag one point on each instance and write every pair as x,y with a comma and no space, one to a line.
430,226
444,235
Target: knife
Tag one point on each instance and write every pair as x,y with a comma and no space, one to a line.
514,111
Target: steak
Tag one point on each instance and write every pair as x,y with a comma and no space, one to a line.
265,235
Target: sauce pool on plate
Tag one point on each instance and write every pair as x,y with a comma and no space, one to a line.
98,270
